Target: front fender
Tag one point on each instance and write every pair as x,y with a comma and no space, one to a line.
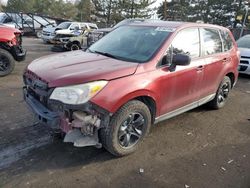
139,93
114,96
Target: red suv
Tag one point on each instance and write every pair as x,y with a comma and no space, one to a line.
10,49
134,77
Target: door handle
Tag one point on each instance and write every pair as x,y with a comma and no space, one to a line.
200,68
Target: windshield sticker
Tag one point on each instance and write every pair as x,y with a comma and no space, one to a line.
165,29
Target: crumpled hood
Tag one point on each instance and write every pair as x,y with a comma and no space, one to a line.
79,67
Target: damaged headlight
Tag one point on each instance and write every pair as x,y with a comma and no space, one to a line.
77,94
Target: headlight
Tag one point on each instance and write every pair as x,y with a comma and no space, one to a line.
77,94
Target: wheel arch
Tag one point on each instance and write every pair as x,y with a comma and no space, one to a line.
147,97
150,103
231,75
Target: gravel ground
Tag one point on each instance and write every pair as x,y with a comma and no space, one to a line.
200,148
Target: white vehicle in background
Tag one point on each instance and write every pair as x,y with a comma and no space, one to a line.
244,47
65,28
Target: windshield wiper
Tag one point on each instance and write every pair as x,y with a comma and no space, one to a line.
106,54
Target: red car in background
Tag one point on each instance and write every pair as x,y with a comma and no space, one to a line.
135,76
10,49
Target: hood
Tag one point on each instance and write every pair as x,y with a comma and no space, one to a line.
79,67
8,28
49,29
245,52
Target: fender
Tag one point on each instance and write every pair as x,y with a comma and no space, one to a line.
112,108
133,95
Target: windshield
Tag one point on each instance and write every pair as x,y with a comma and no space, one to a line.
131,43
127,21
244,42
64,25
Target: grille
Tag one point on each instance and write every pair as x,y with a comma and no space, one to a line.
36,87
243,68
46,33
244,62
247,57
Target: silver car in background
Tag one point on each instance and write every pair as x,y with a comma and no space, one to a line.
244,47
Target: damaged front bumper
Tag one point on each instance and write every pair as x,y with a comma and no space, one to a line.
81,123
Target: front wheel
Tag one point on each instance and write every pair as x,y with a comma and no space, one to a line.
7,63
127,128
222,94
75,46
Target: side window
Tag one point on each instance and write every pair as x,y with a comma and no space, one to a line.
74,27
212,43
227,40
185,42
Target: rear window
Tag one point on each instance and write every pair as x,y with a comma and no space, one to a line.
212,43
227,40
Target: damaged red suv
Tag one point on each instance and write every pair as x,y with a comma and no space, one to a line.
134,77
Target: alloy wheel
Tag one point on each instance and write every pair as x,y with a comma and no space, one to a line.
131,130
223,93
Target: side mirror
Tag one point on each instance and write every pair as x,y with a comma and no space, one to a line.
181,59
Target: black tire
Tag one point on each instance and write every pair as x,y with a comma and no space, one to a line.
75,46
39,34
7,63
130,116
222,94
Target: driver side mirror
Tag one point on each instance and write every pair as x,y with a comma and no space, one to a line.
181,59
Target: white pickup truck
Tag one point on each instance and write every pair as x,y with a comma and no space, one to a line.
65,28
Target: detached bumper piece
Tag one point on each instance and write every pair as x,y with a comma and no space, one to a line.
75,136
18,52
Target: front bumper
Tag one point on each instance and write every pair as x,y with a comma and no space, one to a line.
43,114
18,53
48,37
81,127
244,66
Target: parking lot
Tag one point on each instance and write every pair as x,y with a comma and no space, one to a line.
200,148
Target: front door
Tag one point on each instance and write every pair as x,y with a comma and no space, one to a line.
181,88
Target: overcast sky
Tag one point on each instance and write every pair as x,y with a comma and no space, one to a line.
157,3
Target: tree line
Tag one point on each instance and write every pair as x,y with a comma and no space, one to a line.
109,12
221,12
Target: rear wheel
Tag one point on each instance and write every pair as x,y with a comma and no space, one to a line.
7,63
222,94
127,128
